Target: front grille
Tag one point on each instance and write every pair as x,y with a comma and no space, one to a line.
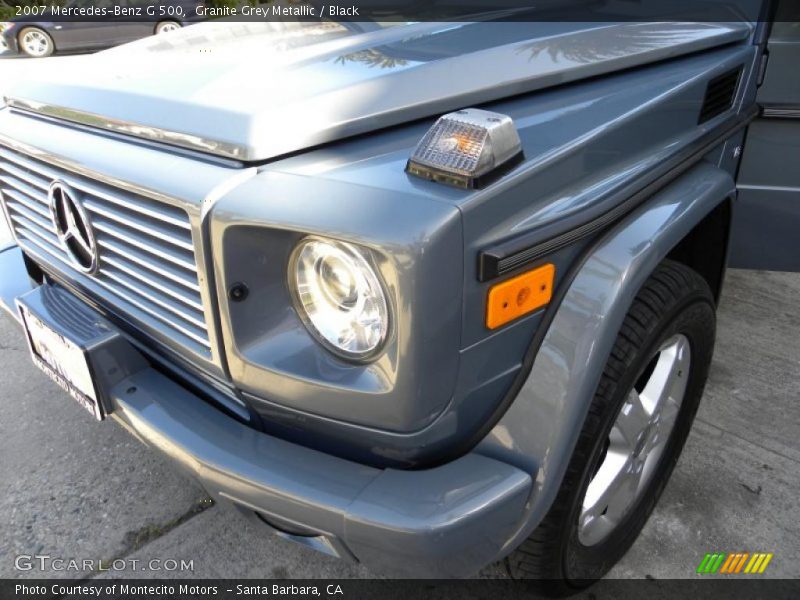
147,269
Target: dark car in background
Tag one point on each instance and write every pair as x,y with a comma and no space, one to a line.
22,35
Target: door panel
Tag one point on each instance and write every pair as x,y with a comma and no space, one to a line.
766,225
781,82
766,221
75,35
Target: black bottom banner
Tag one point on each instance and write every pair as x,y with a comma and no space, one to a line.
385,589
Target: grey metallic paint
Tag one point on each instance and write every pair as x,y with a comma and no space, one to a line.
369,417
316,90
540,429
767,210
417,247
443,522
443,373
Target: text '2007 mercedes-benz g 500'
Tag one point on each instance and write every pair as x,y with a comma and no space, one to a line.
420,295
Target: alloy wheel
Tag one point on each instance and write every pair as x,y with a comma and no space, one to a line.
636,442
35,43
167,26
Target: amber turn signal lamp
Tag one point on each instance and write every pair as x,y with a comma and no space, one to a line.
519,296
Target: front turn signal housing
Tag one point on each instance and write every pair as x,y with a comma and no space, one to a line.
466,148
520,295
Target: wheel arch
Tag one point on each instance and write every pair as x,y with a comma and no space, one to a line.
44,30
539,431
705,248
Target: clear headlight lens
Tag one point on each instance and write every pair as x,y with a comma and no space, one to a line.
339,297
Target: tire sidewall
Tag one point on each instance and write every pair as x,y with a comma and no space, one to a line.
45,34
693,317
161,24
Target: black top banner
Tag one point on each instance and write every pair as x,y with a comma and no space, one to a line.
403,10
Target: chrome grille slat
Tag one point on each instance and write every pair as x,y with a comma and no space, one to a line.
25,227
163,285
195,337
150,297
32,216
176,256
25,176
35,239
153,209
159,216
146,248
201,336
33,205
183,277
30,191
148,229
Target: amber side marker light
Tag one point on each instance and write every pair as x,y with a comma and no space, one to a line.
519,296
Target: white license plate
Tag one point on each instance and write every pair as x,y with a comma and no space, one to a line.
63,361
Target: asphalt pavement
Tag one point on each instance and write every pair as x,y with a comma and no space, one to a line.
79,489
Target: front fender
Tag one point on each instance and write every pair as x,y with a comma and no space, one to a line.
540,429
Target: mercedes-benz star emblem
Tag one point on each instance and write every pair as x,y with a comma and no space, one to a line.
73,226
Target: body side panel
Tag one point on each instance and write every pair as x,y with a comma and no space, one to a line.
767,211
539,431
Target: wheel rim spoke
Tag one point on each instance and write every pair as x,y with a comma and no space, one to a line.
609,495
35,43
668,379
636,443
631,422
605,483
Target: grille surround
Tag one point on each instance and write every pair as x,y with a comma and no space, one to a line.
148,273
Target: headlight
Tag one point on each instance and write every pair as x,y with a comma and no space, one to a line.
339,297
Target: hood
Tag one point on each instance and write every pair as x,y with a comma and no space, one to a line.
255,91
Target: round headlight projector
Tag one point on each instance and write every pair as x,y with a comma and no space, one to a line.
339,297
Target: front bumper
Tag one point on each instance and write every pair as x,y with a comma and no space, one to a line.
443,522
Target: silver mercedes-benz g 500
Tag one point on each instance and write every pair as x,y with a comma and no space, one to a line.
419,295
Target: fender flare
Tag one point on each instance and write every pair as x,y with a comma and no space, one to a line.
539,431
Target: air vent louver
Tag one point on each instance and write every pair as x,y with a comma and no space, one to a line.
719,95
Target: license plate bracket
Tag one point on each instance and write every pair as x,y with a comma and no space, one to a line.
63,361
78,348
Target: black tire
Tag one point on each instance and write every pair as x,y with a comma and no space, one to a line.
51,47
166,26
675,300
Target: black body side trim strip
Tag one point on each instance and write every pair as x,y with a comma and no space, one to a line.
521,251
566,282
